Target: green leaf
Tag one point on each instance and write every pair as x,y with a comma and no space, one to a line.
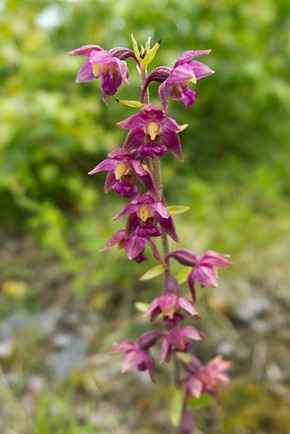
185,357
151,54
176,406
177,209
203,401
142,307
147,54
182,275
130,103
153,272
135,47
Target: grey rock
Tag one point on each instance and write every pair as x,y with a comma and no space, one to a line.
6,348
48,320
69,357
13,324
250,308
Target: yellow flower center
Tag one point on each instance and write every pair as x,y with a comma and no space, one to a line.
96,68
192,79
120,170
144,212
152,130
121,245
170,313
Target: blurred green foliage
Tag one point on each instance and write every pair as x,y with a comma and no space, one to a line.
235,176
52,131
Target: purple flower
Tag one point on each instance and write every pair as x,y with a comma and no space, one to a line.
102,64
148,210
176,340
203,267
186,424
137,355
123,169
207,378
125,189
152,133
168,305
136,358
175,80
133,244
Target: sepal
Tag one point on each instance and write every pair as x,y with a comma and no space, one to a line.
145,55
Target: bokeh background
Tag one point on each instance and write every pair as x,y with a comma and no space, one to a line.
62,302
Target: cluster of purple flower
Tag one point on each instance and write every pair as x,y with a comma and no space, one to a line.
151,135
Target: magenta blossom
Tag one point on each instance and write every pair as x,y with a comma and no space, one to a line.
176,340
135,358
102,64
207,378
133,244
148,210
152,133
168,305
123,169
203,267
137,355
186,423
175,80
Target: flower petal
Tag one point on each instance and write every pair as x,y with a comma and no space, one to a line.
134,246
160,209
168,226
190,281
127,345
163,91
108,164
165,350
154,306
192,333
117,238
194,387
128,209
213,258
184,256
200,70
186,305
206,276
188,55
173,144
85,50
85,73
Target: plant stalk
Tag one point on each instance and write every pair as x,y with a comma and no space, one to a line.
156,172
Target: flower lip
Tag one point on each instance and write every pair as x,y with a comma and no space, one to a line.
169,304
185,71
135,357
207,378
176,340
152,133
102,64
153,130
203,267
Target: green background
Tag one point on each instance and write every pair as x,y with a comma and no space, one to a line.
235,176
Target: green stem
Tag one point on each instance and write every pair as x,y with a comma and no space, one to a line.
158,180
145,98
156,173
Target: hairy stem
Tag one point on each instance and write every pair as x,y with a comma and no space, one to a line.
144,98
158,180
156,172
